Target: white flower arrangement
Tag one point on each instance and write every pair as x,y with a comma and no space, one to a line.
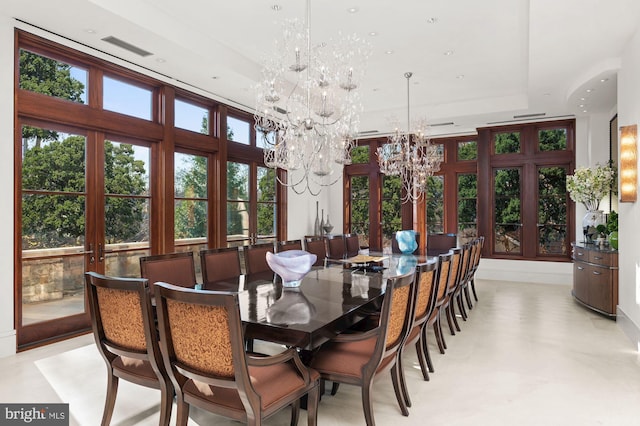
589,185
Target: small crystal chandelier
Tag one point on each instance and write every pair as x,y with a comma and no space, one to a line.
307,106
411,156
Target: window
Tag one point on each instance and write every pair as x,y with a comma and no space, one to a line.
360,154
126,98
552,211
190,187
237,203
435,204
552,139
391,208
359,212
506,143
507,222
52,77
267,208
238,130
191,117
467,150
467,207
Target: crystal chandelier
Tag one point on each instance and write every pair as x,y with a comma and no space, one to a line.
411,156
307,106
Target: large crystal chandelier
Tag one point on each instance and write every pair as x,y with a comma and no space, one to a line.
410,155
307,106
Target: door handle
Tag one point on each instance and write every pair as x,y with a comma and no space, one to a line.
92,258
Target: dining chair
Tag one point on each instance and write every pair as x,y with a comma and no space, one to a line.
465,267
440,243
336,248
426,292
352,245
255,257
444,269
289,245
210,368
124,330
220,264
396,249
356,358
476,263
175,268
317,246
452,285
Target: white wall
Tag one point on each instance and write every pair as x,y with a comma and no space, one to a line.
629,213
7,331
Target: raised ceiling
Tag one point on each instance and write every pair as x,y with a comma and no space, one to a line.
478,64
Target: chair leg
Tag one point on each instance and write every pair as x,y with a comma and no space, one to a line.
334,388
452,313
447,313
437,328
468,296
422,360
313,398
166,402
473,287
459,301
425,347
110,401
403,381
395,379
366,402
295,413
182,417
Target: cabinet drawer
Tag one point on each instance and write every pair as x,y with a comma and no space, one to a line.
580,254
600,289
600,258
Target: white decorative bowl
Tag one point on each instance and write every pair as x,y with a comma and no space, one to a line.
291,265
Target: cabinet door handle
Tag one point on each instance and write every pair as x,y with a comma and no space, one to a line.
580,253
597,273
598,258
580,268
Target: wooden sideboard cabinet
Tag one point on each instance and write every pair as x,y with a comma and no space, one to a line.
595,277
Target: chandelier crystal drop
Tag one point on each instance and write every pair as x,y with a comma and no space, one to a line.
411,156
307,105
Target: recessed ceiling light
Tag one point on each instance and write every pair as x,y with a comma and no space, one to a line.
546,94
460,76
90,31
373,33
161,60
582,99
589,90
432,20
448,53
602,80
352,10
276,8
388,52
584,110
581,106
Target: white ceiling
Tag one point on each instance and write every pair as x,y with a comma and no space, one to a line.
509,57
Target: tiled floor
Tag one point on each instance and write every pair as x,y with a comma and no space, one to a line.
529,355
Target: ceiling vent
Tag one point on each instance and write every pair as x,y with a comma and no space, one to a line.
126,46
448,123
536,115
367,132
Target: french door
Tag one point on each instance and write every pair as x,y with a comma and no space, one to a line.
83,206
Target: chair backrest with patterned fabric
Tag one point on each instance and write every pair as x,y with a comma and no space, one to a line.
454,274
255,257
444,268
399,317
220,264
317,246
425,291
175,268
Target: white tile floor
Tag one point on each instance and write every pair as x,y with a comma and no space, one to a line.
528,355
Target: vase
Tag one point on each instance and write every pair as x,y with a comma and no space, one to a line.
328,227
291,265
590,221
316,225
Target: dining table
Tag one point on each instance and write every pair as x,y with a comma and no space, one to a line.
329,299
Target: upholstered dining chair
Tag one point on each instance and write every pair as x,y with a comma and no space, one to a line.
356,358
336,248
317,246
426,292
351,245
440,243
255,257
124,329
289,245
452,285
463,277
442,279
472,282
174,268
219,264
210,368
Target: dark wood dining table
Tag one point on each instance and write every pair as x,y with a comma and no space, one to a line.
329,300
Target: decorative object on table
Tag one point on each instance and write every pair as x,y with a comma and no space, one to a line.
291,265
407,241
328,227
411,156
308,96
292,307
316,225
589,186
322,223
629,163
